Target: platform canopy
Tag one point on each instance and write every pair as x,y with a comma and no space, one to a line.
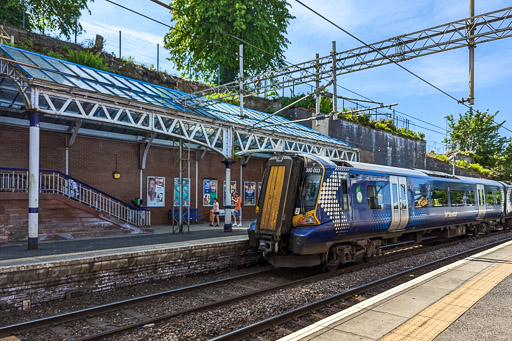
31,82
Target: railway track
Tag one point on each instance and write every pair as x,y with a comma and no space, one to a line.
281,325
114,318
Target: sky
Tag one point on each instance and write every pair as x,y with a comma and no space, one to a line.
369,20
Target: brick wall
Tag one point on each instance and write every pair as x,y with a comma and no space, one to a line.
93,160
43,282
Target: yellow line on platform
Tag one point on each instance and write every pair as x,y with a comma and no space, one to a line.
436,318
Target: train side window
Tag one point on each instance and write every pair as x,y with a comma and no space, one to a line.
456,197
395,196
345,194
439,197
490,198
375,197
498,198
403,197
470,198
420,197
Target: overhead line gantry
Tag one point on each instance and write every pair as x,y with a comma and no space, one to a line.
466,32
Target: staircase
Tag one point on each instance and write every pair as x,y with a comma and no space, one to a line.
68,208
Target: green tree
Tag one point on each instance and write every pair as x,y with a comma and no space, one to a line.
203,35
503,170
11,13
44,15
478,132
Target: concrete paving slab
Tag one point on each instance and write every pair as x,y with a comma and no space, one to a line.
475,266
426,292
449,281
371,324
405,306
337,335
459,274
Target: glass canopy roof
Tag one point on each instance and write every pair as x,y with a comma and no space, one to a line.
64,72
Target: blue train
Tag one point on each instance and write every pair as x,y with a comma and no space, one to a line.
314,211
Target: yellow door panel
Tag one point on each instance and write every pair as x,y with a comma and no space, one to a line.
273,196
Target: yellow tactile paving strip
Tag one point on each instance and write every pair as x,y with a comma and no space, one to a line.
433,320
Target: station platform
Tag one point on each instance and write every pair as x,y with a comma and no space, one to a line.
63,269
17,253
467,300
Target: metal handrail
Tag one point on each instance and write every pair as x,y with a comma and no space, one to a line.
52,181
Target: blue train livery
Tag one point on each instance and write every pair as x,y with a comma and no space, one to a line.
315,211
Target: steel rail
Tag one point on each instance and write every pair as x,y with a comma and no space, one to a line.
79,314
74,315
287,316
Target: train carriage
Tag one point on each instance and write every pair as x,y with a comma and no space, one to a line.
315,211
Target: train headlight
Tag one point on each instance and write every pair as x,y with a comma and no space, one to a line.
307,220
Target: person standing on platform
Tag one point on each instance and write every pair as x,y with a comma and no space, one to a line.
216,212
238,208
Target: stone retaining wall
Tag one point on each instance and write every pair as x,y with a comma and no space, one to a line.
440,166
52,280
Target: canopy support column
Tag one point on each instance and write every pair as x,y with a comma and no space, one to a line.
227,196
33,182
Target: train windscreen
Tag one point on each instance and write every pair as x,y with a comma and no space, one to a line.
308,192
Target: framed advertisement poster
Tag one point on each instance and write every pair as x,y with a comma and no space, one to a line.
186,192
233,190
249,193
209,192
155,196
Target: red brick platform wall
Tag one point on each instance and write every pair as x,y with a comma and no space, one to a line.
93,160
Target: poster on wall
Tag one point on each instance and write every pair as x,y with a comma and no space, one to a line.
186,196
155,191
249,193
209,192
233,190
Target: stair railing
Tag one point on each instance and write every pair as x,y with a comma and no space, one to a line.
51,181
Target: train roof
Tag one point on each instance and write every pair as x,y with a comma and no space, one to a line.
405,171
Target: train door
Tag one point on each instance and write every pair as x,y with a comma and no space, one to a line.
480,189
399,203
508,200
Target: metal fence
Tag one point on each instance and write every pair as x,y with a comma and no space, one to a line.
15,180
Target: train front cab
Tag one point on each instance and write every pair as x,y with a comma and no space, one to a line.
288,204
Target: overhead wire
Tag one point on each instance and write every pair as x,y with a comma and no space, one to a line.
387,57
289,63
379,52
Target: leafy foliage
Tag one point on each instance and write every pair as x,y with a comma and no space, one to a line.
365,120
478,132
231,98
11,13
474,167
308,102
202,38
44,15
85,58
464,164
383,124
